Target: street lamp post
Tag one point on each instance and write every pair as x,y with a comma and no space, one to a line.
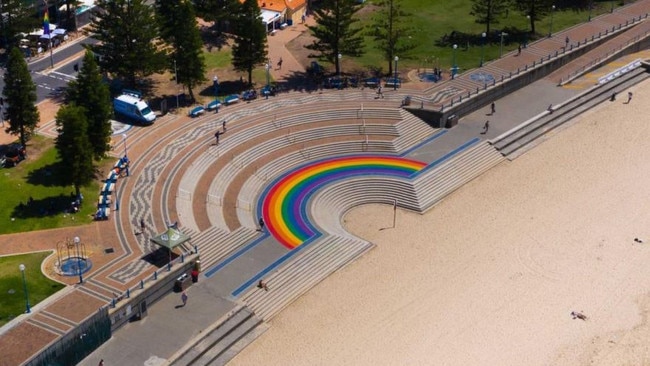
395,80
454,67
550,28
28,309
529,32
483,37
503,34
124,139
176,79
77,243
340,82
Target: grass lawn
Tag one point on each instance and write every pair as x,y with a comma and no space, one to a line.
39,287
40,177
432,19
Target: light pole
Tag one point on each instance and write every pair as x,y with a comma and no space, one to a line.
28,309
77,243
527,33
503,34
395,80
124,139
550,28
268,75
483,37
175,78
339,81
454,67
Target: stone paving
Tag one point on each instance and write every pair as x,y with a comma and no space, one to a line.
160,149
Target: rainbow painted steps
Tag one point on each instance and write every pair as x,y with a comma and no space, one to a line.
285,204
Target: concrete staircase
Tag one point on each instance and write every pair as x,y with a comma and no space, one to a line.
520,139
317,261
220,343
435,184
216,243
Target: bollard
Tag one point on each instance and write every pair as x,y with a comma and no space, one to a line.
155,275
183,258
128,293
141,284
169,266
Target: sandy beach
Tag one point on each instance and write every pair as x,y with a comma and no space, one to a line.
491,275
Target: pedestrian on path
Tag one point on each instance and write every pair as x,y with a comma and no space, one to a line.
216,135
519,50
566,42
262,285
101,362
142,225
280,64
184,298
629,97
486,127
303,18
380,92
223,124
261,223
493,108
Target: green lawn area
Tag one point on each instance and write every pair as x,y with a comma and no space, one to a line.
432,19
40,177
12,295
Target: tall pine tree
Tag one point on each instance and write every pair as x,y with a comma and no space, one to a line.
335,32
222,12
73,146
17,16
90,92
249,49
179,29
20,95
390,31
488,11
128,39
535,10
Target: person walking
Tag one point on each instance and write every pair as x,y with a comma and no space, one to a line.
261,223
380,92
142,225
629,97
566,42
493,108
280,64
223,124
184,297
519,50
486,127
216,135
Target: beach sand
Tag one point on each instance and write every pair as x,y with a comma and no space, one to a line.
491,275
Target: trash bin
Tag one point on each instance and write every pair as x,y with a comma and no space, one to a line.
182,283
195,276
452,121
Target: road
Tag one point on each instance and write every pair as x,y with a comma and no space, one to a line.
51,81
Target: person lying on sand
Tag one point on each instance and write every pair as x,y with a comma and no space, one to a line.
578,315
